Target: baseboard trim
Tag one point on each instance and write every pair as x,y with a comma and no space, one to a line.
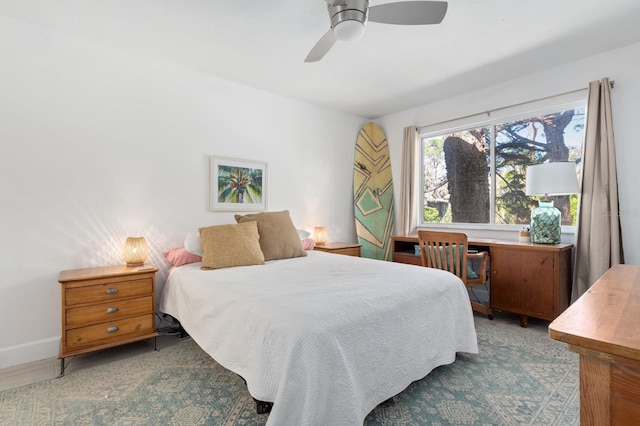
29,352
27,373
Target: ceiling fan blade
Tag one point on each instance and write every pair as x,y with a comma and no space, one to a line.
409,12
322,47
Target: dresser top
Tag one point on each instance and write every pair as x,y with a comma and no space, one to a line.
607,317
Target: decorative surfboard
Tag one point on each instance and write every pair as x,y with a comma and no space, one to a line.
373,192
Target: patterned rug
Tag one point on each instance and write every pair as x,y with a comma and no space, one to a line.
518,378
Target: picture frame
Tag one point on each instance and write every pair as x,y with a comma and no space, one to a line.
237,184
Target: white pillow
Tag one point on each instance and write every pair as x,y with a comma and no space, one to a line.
192,243
303,234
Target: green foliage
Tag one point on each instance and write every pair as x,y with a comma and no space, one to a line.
448,217
431,215
573,209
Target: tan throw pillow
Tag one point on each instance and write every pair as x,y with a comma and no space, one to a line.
224,246
279,238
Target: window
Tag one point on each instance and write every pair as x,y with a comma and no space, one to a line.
475,173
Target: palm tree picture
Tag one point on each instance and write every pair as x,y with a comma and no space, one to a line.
239,185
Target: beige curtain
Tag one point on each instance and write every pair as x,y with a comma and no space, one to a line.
599,240
409,187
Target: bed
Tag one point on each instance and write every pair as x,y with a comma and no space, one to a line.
325,337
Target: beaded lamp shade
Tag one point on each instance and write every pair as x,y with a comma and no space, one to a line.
135,251
549,179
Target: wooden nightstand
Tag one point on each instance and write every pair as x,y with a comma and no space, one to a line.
106,307
350,249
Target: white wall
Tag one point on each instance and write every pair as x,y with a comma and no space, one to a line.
622,65
98,145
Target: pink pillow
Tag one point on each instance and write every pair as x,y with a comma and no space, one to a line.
180,256
308,243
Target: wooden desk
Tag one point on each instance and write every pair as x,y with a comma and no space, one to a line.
532,280
603,326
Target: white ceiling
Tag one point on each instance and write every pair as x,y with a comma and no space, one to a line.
263,43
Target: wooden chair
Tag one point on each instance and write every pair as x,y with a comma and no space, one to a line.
449,251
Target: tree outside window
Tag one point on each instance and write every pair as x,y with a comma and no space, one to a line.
461,186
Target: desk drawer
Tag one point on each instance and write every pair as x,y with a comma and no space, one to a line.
109,332
105,312
107,292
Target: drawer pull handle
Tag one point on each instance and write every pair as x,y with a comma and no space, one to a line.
113,329
112,310
112,290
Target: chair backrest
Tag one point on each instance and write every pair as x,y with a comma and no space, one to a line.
444,250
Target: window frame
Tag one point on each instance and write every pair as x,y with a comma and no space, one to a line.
490,119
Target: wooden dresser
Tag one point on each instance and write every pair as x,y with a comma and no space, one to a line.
603,327
106,307
350,249
532,280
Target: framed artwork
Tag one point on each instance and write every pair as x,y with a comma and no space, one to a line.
237,185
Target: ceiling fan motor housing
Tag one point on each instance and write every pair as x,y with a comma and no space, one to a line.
348,19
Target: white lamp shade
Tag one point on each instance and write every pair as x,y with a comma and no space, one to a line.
135,251
349,30
552,179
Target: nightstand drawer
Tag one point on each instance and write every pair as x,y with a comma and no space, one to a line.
109,331
118,309
107,292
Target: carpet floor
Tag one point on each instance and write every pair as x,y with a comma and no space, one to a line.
518,378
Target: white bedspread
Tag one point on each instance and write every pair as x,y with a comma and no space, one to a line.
326,337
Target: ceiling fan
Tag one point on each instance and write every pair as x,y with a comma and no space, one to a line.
348,18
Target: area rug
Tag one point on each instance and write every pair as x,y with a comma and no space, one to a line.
518,378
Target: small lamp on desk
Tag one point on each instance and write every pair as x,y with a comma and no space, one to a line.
135,251
549,179
320,235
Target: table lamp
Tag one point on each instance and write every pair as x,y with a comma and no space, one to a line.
135,251
320,235
549,179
